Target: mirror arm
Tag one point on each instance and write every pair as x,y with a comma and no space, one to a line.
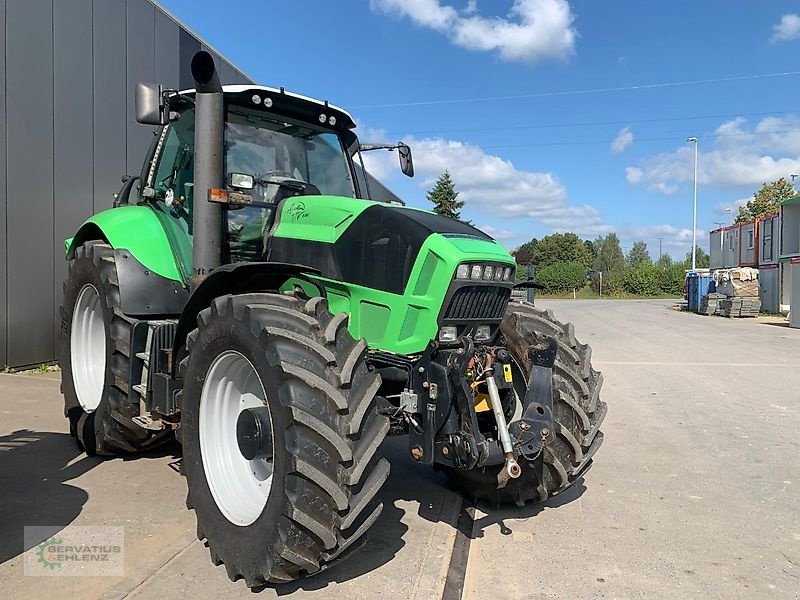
121,197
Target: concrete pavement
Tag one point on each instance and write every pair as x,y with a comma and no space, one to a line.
694,493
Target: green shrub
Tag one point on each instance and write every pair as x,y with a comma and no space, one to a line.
643,280
671,280
562,277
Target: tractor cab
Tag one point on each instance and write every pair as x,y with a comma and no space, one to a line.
276,145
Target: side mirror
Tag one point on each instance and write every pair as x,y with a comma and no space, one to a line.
151,105
406,162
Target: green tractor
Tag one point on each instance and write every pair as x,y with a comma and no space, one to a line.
244,297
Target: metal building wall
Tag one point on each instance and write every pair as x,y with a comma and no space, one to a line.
67,135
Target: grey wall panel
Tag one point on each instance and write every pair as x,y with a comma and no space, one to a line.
29,105
187,46
141,62
3,317
167,51
73,171
108,99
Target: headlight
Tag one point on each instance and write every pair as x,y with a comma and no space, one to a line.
462,272
482,333
507,274
477,271
448,334
498,273
488,272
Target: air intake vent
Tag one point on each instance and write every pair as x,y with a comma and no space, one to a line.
478,302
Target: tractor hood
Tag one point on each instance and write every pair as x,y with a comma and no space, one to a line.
373,244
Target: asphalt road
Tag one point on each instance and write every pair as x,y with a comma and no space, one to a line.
694,493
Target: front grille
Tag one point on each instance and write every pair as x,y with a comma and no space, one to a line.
483,302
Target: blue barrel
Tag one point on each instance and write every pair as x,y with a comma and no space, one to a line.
698,284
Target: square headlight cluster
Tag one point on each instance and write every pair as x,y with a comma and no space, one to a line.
483,272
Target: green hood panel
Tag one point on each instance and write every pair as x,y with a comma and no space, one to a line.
152,238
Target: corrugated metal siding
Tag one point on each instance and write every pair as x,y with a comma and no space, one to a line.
29,163
66,92
73,170
3,183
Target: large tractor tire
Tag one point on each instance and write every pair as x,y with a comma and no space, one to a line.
94,354
310,491
577,410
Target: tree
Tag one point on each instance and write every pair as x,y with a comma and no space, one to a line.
702,260
445,197
524,254
590,249
638,256
766,201
560,248
610,258
665,262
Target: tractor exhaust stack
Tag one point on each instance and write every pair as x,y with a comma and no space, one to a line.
208,167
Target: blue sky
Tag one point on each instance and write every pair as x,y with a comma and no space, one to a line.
588,162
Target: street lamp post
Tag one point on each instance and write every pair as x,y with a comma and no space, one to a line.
694,207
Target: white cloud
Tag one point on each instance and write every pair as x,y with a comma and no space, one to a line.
488,183
498,234
735,155
788,28
676,241
623,140
634,175
533,30
722,208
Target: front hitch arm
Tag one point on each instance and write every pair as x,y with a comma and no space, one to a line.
535,429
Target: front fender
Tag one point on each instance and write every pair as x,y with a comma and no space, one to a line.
139,230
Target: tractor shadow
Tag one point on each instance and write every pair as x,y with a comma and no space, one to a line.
413,486
36,467
501,515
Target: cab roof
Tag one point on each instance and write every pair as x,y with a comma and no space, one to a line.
246,94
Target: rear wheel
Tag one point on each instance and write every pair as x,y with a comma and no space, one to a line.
280,432
94,355
577,410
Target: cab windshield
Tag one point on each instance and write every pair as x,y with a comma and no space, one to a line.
278,153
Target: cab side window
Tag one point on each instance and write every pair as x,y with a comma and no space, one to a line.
173,176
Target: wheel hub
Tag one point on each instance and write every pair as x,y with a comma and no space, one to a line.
254,433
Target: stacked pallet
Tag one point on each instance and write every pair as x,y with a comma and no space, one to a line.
739,282
739,307
709,305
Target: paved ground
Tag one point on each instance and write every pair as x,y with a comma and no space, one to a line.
694,493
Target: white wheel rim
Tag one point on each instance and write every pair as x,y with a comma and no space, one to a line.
87,345
240,487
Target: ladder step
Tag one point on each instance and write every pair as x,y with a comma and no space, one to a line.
141,388
145,356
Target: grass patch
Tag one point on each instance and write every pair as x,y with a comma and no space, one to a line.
588,294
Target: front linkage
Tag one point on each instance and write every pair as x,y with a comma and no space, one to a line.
444,426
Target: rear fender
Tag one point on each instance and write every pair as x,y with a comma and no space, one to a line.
239,278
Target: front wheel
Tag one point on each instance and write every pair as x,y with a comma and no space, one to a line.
577,410
280,432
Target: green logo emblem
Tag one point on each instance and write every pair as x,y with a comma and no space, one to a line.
42,551
298,211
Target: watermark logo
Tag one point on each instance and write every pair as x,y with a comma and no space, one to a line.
74,551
